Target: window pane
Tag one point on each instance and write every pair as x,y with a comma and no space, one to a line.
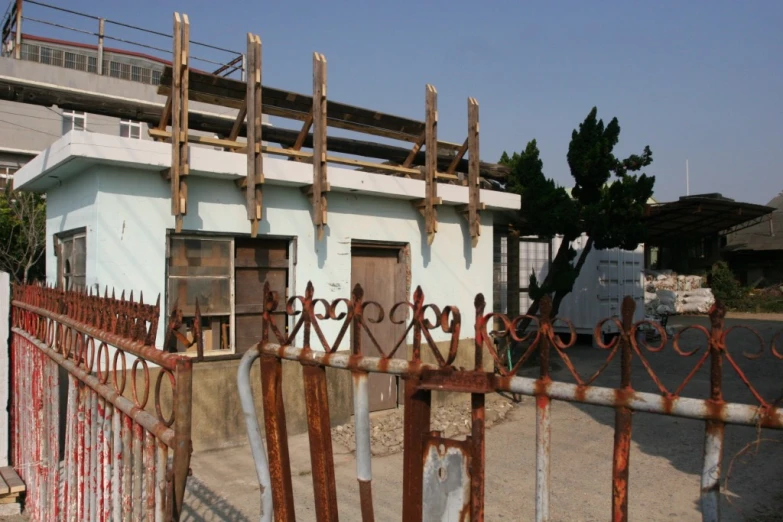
213,294
79,122
124,130
200,257
135,131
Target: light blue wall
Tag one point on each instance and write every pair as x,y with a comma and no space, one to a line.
130,213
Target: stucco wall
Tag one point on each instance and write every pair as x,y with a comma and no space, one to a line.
133,212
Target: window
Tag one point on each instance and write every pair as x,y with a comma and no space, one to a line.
92,64
7,177
226,275
155,77
535,255
130,129
74,120
71,252
115,70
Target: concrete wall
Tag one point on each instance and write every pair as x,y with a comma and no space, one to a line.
33,128
132,211
5,361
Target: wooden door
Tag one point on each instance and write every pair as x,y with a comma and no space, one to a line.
381,272
257,261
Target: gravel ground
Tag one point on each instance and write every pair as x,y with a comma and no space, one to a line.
452,420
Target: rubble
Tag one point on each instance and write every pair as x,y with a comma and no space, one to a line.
453,420
668,293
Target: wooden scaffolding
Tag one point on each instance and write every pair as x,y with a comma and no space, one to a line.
441,162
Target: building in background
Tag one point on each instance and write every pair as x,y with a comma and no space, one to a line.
56,53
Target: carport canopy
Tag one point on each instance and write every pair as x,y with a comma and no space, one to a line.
701,215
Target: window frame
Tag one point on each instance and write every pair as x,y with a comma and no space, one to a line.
59,243
72,116
131,125
208,352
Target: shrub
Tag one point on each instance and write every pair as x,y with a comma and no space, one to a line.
725,286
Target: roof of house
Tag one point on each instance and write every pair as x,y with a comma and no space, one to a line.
77,151
701,215
765,235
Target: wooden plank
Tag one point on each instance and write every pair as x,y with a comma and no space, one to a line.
431,164
320,183
414,151
229,92
303,134
474,190
254,175
176,123
165,117
5,489
11,478
45,94
237,127
460,154
184,158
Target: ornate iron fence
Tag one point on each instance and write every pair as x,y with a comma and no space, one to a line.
429,457
116,461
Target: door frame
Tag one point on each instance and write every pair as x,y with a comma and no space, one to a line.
404,257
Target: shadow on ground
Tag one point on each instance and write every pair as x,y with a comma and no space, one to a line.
204,505
752,457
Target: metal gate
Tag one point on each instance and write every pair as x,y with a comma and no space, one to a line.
443,479
116,461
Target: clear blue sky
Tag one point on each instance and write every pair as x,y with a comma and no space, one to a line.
696,80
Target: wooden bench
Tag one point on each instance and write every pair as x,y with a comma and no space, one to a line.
10,485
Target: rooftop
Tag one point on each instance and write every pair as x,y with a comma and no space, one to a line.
77,151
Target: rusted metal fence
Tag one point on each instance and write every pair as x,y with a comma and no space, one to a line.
116,461
433,464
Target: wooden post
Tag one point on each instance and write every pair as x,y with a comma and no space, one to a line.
18,36
255,175
428,205
320,182
179,124
474,189
176,124
101,28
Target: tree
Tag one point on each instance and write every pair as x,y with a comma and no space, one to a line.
22,235
610,211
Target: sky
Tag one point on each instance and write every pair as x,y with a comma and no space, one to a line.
700,80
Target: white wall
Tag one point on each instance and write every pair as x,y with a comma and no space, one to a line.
133,212
72,205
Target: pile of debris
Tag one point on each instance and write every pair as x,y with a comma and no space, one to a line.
667,293
453,420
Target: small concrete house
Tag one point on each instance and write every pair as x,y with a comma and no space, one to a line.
109,224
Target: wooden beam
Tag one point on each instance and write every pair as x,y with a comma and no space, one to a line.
254,176
320,181
428,207
303,134
229,92
474,191
165,117
460,154
237,126
20,90
176,123
414,151
184,155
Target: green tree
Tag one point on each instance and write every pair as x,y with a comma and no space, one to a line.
22,235
606,203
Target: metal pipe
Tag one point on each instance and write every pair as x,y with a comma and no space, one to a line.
623,421
361,419
254,432
714,429
730,413
147,420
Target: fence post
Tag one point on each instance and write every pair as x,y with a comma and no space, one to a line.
182,427
99,65
714,430
622,420
5,359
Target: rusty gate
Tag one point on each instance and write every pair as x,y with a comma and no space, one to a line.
443,479
116,461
